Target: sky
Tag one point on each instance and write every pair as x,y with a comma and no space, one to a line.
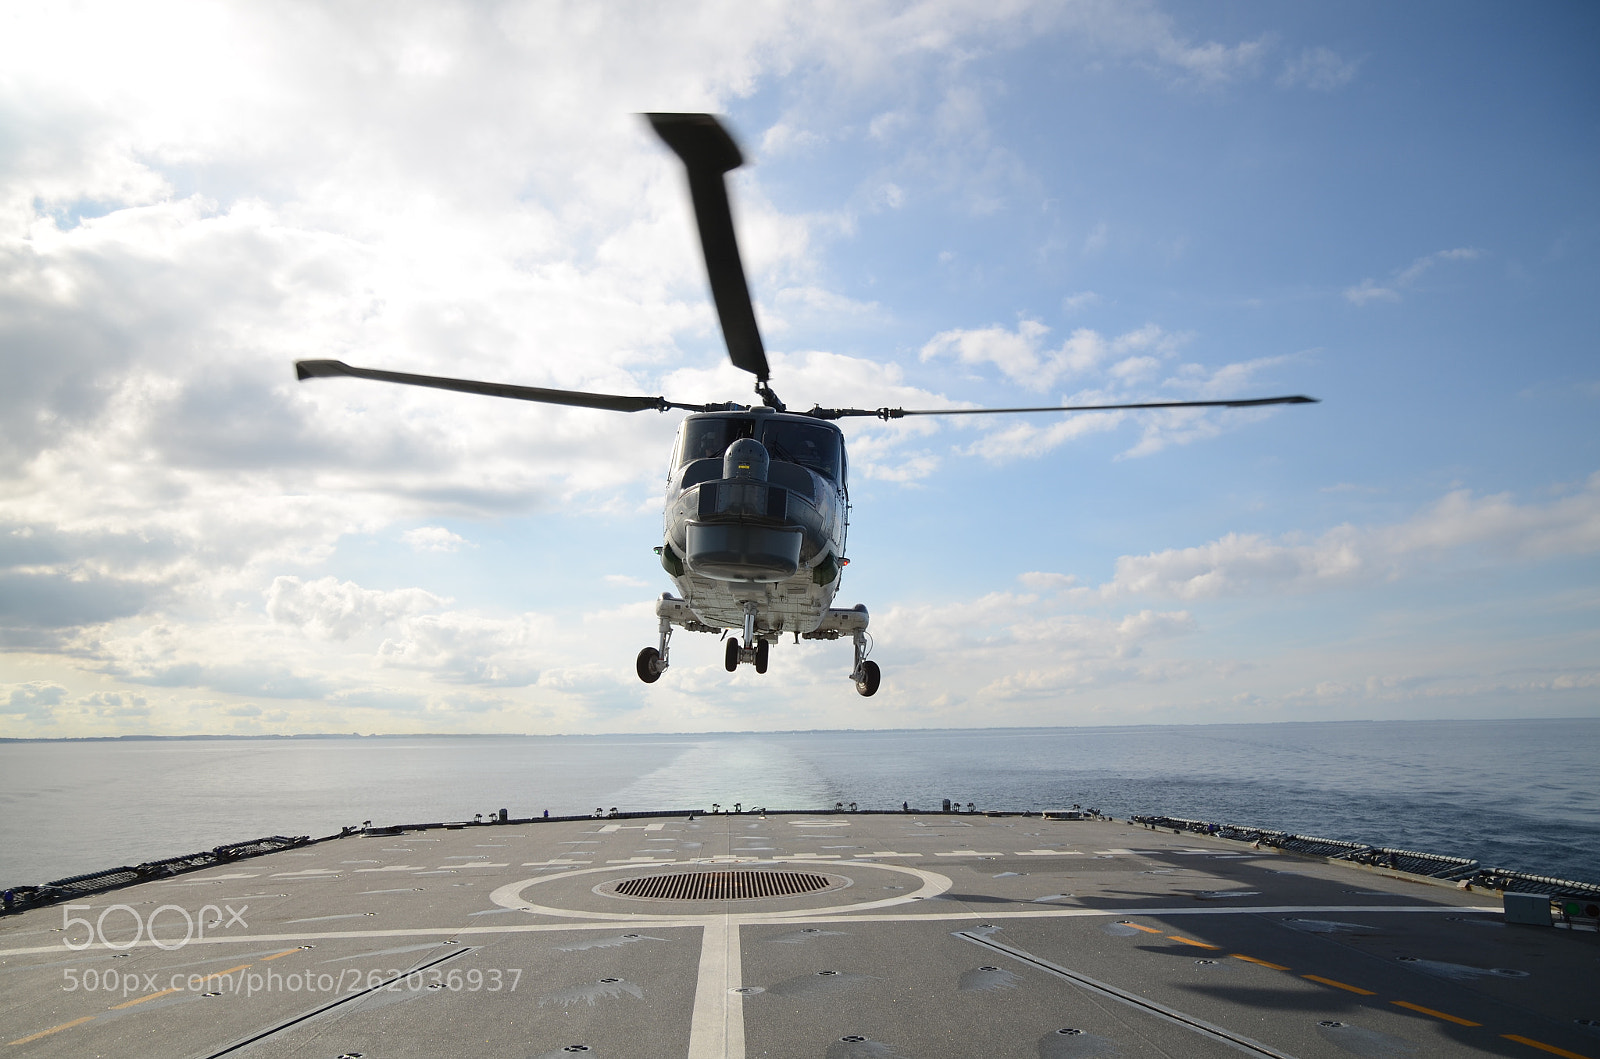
1395,209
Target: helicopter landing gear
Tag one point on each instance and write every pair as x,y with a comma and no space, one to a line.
755,649
652,661
756,656
866,674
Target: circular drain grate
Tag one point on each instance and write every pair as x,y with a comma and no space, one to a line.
722,885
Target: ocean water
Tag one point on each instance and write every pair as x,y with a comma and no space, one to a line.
1513,794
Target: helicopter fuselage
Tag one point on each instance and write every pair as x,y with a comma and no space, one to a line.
757,511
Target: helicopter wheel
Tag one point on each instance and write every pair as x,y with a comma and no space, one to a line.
730,661
871,675
646,663
762,647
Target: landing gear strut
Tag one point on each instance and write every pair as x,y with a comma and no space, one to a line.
866,673
755,649
652,661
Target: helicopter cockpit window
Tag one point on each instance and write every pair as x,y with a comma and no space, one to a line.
816,447
705,439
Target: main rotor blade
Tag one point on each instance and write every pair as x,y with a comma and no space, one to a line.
326,369
708,152
900,413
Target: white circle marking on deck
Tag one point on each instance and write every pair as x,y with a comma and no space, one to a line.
933,884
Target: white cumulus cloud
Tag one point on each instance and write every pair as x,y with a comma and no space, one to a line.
433,539
341,609
1456,526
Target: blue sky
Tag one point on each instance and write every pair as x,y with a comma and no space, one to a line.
1391,209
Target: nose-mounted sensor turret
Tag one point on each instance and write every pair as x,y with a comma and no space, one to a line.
746,458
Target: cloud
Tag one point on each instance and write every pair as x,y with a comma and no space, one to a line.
1005,647
1369,290
1133,359
1319,69
471,649
32,701
432,539
119,707
56,600
1412,272
1045,582
274,681
384,700
810,304
341,609
1453,529
1096,240
1021,356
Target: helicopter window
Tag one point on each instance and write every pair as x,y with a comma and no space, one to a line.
816,447
705,439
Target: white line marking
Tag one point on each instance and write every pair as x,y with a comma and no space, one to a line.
1187,1021
815,916
716,1029
550,863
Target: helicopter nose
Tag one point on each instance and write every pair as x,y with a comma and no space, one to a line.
745,458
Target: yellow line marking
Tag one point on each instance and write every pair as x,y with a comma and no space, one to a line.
1358,989
1191,941
1436,1014
1552,1049
224,974
54,1029
277,956
1147,930
141,1000
1263,963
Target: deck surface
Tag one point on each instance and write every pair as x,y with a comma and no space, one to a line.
940,936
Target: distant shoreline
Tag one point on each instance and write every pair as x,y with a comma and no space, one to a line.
791,731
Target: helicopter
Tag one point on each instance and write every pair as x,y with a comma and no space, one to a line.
757,503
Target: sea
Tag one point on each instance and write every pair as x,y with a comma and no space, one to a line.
1519,794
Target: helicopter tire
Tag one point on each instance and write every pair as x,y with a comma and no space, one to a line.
730,660
646,664
762,647
871,676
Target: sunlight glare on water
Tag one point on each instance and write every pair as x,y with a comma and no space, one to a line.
749,770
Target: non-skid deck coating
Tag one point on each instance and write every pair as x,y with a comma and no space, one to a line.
939,936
